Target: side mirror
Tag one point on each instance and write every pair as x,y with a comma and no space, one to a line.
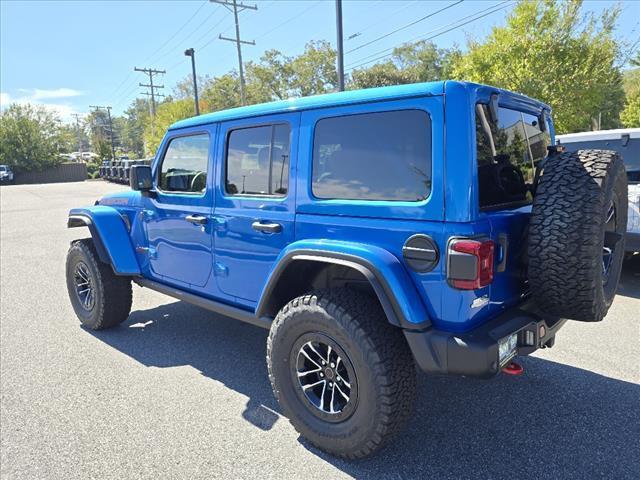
140,178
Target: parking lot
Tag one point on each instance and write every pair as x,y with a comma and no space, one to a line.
178,392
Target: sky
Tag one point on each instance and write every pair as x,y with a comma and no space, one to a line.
69,55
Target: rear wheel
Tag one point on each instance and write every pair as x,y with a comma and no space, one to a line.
342,374
576,234
100,298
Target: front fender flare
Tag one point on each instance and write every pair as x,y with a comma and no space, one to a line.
393,286
110,236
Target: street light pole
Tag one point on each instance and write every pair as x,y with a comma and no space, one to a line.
190,52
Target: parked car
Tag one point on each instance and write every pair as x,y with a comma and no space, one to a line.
632,238
367,230
6,174
103,168
625,141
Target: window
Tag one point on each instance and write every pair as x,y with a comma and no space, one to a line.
508,151
373,156
184,167
258,161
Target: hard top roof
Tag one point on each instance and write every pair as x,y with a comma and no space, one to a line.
339,98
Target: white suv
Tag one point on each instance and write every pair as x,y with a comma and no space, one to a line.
625,141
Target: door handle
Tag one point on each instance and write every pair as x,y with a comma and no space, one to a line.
267,227
196,219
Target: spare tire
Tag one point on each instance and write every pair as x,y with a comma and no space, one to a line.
576,234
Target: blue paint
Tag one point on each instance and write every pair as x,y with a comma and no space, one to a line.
112,230
229,261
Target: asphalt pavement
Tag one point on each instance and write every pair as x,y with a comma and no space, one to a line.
178,392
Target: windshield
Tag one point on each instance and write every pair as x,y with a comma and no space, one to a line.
507,152
3,168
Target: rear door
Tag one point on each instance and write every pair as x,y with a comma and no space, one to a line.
255,206
506,162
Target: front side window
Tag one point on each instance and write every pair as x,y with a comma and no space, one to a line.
258,161
373,156
184,166
508,151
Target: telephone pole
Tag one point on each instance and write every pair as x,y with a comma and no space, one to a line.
236,7
151,72
339,45
108,109
77,116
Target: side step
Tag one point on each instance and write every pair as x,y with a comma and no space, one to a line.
211,305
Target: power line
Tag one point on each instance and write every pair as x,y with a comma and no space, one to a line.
176,33
151,72
237,40
158,49
457,24
384,20
405,26
289,20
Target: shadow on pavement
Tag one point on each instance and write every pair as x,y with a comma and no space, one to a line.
555,421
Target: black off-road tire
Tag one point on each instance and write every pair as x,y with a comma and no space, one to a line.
381,360
112,293
567,234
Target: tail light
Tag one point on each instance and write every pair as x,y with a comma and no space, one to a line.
470,263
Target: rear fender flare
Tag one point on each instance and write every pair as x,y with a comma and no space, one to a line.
110,237
388,277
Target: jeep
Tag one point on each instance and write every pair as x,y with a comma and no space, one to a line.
433,224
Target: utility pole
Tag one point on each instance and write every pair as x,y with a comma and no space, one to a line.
190,52
77,116
151,72
241,6
340,46
108,109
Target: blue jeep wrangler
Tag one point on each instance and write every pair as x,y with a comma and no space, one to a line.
433,224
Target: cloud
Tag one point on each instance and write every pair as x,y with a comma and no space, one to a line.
39,96
58,93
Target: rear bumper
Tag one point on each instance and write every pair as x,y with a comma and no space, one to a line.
475,353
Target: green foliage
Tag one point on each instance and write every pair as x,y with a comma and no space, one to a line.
166,114
630,116
410,63
549,50
132,130
31,138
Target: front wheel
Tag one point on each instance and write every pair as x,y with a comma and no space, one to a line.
342,374
100,298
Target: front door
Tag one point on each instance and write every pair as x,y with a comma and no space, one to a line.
178,219
255,207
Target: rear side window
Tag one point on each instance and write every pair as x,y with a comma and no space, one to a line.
373,156
508,151
184,166
258,161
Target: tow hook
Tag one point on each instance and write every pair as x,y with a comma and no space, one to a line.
513,368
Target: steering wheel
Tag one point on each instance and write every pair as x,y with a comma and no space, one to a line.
193,180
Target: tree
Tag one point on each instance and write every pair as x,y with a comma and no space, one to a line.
31,138
410,63
314,71
549,50
271,78
132,136
630,116
167,113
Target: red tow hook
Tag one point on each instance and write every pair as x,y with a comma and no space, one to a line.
513,368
